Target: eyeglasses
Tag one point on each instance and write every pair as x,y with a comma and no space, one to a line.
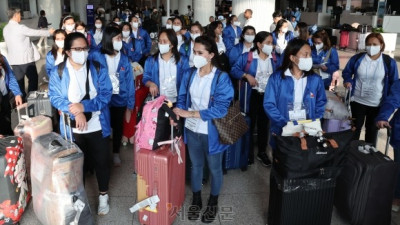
79,49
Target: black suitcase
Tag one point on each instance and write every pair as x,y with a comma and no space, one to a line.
365,187
14,194
306,201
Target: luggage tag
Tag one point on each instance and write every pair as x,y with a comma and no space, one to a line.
262,79
149,203
169,88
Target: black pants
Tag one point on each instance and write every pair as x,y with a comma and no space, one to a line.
30,71
259,117
96,148
117,124
368,114
5,116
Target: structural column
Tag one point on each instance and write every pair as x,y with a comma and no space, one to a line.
183,10
324,4
33,8
203,9
53,11
3,11
262,12
80,8
348,5
174,5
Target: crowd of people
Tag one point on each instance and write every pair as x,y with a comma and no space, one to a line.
198,68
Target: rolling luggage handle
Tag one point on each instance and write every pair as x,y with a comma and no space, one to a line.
65,127
26,117
245,97
389,133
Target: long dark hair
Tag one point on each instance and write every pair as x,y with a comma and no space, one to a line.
211,29
260,38
303,31
211,47
54,48
323,35
106,42
70,39
3,64
279,25
171,35
246,28
292,48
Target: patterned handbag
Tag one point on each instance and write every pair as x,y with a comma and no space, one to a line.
231,127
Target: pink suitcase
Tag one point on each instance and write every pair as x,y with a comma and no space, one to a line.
29,129
159,173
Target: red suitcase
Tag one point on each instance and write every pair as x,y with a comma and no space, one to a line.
344,39
141,93
159,173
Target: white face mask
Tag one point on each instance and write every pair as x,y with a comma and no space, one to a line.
60,44
79,57
176,28
168,26
296,33
194,36
267,49
373,50
135,25
126,34
70,28
164,48
199,61
236,23
305,64
319,46
117,45
284,30
98,25
249,38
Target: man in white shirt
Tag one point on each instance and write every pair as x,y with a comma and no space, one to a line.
21,51
248,14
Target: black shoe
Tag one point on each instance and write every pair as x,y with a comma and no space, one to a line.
195,207
211,211
263,158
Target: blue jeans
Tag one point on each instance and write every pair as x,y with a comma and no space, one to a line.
198,150
397,187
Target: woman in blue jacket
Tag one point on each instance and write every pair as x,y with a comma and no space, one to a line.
294,89
121,76
244,45
96,34
8,85
186,49
56,55
82,89
163,71
132,47
142,35
370,76
205,94
231,33
325,57
388,107
256,67
281,37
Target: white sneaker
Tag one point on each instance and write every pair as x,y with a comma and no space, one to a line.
104,207
117,160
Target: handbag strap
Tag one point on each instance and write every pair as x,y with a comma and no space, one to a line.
303,141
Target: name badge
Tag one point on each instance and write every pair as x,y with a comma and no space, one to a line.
297,114
367,90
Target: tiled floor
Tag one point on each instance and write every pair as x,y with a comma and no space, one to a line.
243,200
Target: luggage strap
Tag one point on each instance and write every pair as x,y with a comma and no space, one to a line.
151,204
303,141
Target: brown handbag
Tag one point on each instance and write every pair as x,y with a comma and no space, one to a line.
231,127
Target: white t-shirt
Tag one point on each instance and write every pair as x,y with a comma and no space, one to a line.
3,87
168,74
221,45
98,35
60,59
112,65
299,88
191,57
369,82
77,90
246,49
264,71
200,91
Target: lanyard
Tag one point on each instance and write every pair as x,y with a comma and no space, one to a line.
366,70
